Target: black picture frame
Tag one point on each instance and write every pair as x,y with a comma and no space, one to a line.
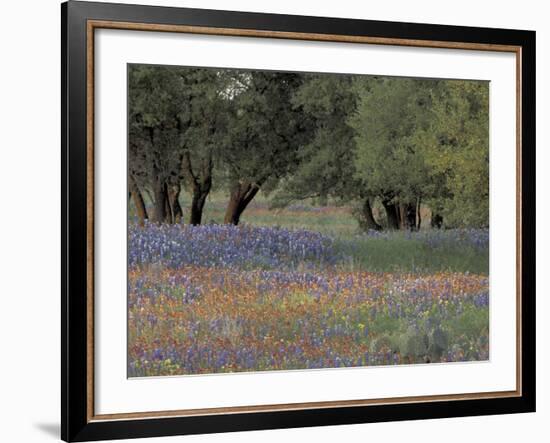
76,424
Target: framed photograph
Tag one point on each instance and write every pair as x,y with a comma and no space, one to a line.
275,221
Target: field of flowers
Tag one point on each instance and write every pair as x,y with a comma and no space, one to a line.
219,298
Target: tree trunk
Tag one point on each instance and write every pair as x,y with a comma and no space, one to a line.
401,215
418,215
178,211
392,214
437,220
175,213
198,178
200,192
369,221
167,208
409,216
232,213
159,209
242,194
197,206
137,198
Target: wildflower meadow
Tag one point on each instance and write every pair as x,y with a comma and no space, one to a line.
282,220
224,298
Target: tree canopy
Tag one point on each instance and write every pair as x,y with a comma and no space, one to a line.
395,144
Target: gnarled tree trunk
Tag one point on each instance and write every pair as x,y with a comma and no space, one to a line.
200,192
437,220
409,216
392,213
139,203
368,217
174,213
159,208
242,194
167,207
418,215
199,179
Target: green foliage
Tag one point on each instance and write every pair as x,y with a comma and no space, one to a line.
439,342
390,111
154,106
326,161
383,323
470,322
351,139
457,149
430,341
264,130
177,119
414,344
425,139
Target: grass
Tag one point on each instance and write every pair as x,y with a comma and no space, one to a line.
301,288
397,253
392,252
